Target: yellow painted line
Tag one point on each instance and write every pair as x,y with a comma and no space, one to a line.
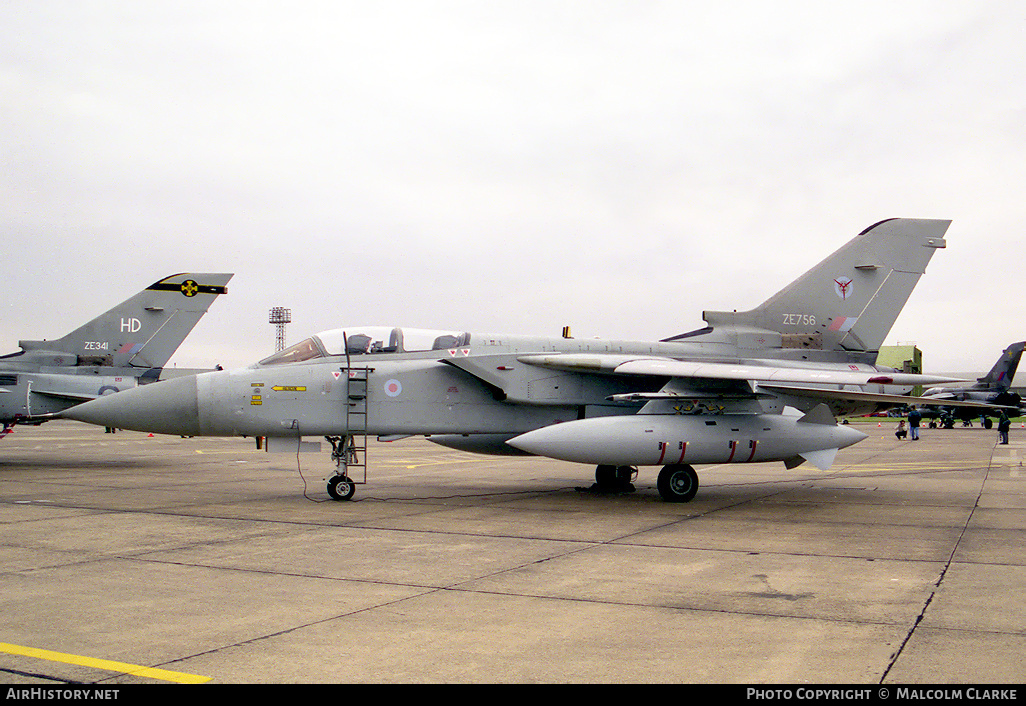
106,664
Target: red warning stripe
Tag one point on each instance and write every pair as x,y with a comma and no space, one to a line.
755,444
663,445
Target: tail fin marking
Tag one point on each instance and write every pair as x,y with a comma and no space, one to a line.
144,330
847,302
1000,376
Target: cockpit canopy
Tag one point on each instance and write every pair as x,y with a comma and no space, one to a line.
368,339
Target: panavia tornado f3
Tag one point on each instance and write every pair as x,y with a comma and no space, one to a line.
749,387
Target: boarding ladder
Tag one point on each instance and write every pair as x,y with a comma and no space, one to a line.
351,452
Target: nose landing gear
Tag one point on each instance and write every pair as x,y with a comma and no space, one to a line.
344,453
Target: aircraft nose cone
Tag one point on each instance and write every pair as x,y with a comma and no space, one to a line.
167,407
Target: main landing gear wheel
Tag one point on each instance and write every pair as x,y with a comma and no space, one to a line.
677,484
341,488
614,478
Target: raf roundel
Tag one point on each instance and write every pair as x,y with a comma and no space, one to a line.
393,388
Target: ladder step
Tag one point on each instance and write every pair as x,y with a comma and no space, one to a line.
356,416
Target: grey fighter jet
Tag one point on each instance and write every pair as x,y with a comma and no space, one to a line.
993,389
120,349
749,387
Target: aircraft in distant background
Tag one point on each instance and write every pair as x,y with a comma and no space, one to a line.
120,349
992,388
755,386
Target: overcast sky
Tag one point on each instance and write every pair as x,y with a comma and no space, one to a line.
618,167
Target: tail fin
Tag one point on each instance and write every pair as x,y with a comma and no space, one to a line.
850,300
145,330
1000,376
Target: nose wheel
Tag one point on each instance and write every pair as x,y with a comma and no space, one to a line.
345,453
341,487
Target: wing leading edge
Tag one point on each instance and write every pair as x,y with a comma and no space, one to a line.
799,386
698,370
